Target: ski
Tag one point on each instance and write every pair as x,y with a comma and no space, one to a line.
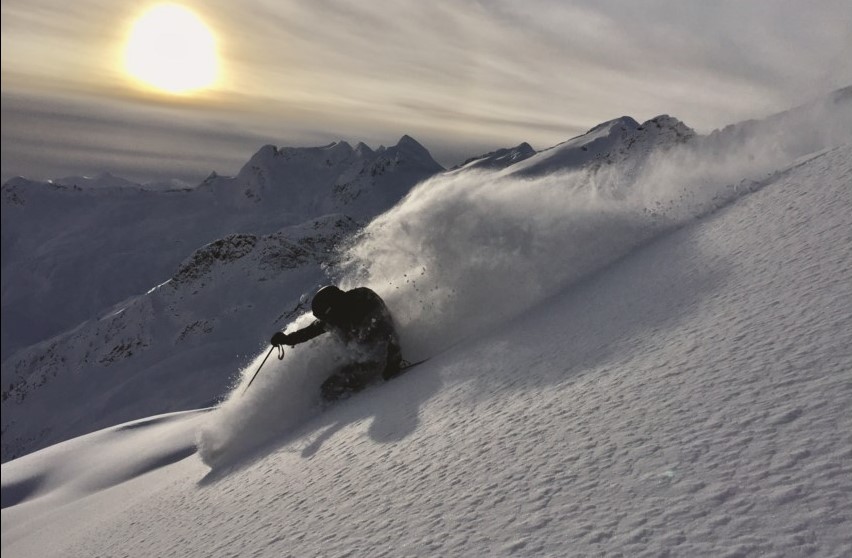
406,367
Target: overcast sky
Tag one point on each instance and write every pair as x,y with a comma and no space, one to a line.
462,77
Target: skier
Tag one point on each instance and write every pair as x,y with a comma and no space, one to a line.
359,318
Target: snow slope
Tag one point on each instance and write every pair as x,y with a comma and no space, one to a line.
173,348
686,393
608,142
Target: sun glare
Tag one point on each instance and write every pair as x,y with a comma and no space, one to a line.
172,50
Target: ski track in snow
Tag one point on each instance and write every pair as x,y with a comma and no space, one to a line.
690,400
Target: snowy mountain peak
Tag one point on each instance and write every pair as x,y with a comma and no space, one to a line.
410,149
623,123
669,126
273,159
262,157
363,149
614,141
270,156
311,181
408,141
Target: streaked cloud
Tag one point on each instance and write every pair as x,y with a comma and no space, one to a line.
461,76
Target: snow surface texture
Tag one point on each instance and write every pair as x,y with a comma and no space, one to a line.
690,399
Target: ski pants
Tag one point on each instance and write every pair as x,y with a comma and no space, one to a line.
356,376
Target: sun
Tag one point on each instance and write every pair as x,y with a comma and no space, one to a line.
172,50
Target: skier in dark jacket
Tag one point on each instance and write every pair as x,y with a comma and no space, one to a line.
361,320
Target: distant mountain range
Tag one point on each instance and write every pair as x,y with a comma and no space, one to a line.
73,248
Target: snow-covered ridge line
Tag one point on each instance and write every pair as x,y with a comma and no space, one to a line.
620,141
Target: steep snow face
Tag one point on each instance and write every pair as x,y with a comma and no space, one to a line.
175,347
125,238
691,399
618,141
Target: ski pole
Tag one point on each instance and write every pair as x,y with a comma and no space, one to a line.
280,356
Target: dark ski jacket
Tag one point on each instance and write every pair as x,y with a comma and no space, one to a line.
360,317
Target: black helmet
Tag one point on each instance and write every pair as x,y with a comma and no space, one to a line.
325,300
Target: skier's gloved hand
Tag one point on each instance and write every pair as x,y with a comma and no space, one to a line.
280,338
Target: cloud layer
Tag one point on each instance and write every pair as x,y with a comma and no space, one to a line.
467,76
